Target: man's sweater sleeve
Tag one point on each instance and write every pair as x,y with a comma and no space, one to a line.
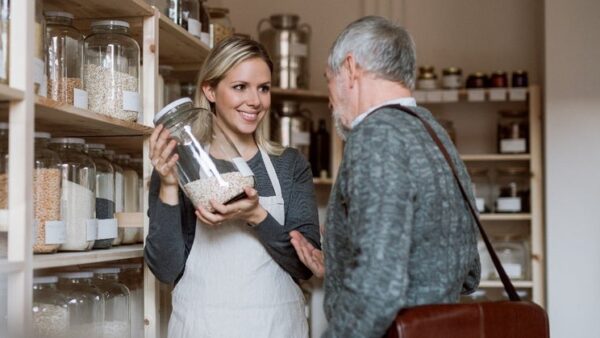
380,196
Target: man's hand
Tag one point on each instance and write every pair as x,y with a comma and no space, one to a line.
309,255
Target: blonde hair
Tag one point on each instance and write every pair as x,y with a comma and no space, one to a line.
222,58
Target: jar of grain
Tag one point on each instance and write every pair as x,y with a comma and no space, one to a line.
130,198
86,304
50,309
65,60
40,78
50,230
119,192
132,276
220,25
209,164
4,45
116,299
78,198
111,72
105,197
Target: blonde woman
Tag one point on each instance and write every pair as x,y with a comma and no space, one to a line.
234,270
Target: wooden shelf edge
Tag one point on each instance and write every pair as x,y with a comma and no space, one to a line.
312,95
498,284
450,96
505,217
8,93
62,259
98,9
495,157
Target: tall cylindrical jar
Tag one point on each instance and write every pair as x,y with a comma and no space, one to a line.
220,25
40,78
116,303
78,198
4,41
50,309
119,191
50,230
65,60
112,63
105,197
132,276
86,304
130,197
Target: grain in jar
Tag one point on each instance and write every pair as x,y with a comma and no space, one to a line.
86,304
50,309
116,303
220,25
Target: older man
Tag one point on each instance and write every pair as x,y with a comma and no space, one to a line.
398,232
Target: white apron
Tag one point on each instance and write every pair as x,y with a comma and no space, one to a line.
232,288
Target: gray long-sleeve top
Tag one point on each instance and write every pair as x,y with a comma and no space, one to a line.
398,232
172,228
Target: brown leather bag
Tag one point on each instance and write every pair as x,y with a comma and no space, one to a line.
502,319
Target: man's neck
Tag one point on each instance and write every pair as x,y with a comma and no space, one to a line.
374,92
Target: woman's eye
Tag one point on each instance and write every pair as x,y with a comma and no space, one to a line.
239,87
265,89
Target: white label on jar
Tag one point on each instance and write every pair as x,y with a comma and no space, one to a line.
205,37
451,81
476,95
38,71
497,94
434,96
426,84
517,94
420,95
300,138
298,49
518,145
3,219
80,98
131,101
450,95
56,232
480,203
242,166
194,27
509,204
91,226
513,270
107,228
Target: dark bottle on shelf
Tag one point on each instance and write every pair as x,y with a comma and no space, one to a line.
319,151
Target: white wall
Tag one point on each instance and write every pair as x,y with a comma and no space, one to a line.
572,166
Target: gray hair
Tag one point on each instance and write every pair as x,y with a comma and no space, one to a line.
380,47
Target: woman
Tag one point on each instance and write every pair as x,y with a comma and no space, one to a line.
234,268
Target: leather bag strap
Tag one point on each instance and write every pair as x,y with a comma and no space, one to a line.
508,286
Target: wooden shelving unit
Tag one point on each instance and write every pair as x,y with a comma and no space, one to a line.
10,94
63,259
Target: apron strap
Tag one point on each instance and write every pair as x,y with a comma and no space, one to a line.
271,171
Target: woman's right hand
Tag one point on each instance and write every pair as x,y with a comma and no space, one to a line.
162,158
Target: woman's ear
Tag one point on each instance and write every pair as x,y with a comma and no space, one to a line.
209,92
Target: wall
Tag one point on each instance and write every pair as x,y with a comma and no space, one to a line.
572,159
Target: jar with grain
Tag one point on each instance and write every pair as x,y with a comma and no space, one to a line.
119,192
50,230
105,197
65,60
86,304
220,25
116,303
3,189
50,309
112,65
130,198
209,164
132,276
40,76
78,197
513,195
4,39
513,132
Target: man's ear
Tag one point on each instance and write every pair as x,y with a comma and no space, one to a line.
352,68
209,92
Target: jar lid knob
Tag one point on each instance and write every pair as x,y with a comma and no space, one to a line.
171,106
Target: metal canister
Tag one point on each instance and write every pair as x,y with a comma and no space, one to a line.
288,45
291,126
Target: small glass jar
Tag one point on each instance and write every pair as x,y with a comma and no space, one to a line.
513,196
3,187
220,25
188,89
65,60
50,230
477,81
78,195
119,192
478,296
482,188
427,79
112,66
513,132
105,197
172,87
86,304
190,10
132,276
209,164
519,79
452,78
513,254
205,20
499,79
130,197
116,303
449,127
173,11
50,309
4,39
40,78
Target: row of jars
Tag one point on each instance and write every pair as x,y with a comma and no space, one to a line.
452,78
97,303
501,190
78,189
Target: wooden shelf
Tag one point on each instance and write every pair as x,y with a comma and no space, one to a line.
95,256
178,47
8,267
323,181
505,217
98,9
10,94
444,96
495,157
498,284
299,95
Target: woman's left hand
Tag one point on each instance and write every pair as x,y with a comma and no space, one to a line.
247,209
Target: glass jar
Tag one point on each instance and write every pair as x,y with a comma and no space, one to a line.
119,192
173,11
291,126
519,79
4,38
138,165
40,79
487,266
50,309
482,188
130,197
499,79
105,197
220,25
452,78
86,304
188,89
112,64
513,254
78,196
513,132
190,21
50,230
172,88
3,189
116,303
513,196
205,23
427,78
209,165
477,296
132,276
477,80
65,60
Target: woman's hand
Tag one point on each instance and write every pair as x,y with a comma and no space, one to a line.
246,209
161,157
309,255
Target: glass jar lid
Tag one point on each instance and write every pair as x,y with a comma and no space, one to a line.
77,275
452,71
67,140
95,146
42,135
426,69
59,14
110,23
107,271
45,280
